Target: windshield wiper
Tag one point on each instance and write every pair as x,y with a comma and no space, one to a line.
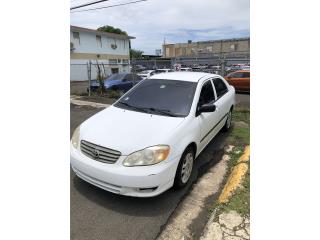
134,107
151,109
163,112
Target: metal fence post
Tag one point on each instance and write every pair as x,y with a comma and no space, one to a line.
89,76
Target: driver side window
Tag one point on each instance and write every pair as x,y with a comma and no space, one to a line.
206,94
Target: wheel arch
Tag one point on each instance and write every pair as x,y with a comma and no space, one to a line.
193,145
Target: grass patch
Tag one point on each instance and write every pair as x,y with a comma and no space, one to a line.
240,201
239,137
241,114
240,132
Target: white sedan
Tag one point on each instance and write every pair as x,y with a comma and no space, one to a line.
148,140
146,74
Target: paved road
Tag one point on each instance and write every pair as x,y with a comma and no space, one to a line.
243,100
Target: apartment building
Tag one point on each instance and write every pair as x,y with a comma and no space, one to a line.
108,48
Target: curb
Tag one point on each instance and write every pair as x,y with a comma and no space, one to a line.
86,103
235,177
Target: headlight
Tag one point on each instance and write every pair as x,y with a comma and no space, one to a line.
147,156
75,137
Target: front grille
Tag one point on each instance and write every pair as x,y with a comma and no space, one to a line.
99,153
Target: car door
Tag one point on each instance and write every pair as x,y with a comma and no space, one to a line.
222,101
244,82
207,120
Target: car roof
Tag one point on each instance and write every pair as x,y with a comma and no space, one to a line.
183,76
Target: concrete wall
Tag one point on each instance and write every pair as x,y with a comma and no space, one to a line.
79,72
78,87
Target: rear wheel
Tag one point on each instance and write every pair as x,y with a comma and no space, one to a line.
184,169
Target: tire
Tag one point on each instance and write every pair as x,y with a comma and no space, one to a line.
227,125
185,167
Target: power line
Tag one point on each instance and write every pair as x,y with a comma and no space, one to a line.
116,5
88,4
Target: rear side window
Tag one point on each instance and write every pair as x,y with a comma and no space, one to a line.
206,95
246,74
236,75
220,87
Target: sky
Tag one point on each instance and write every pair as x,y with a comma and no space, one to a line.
175,21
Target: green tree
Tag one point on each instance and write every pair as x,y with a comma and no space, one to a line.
137,54
111,29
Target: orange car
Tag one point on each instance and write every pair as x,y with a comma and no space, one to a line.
240,80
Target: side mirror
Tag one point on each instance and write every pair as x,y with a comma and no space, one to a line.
206,108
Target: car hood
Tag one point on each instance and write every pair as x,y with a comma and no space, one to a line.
127,131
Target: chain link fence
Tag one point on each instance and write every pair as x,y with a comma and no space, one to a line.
212,64
82,73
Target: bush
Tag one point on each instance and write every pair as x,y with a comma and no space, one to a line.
114,94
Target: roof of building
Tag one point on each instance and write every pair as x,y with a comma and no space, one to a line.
212,41
114,35
183,76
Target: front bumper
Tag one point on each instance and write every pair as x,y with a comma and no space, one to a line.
143,181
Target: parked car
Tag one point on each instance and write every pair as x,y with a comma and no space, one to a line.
186,69
138,68
146,74
240,80
162,70
119,81
148,140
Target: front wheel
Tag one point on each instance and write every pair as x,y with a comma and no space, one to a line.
227,125
185,167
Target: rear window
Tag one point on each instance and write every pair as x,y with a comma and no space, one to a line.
246,74
220,87
116,76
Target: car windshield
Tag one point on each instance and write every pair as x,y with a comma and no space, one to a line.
117,76
160,96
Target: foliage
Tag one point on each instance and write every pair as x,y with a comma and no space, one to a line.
135,53
114,94
111,29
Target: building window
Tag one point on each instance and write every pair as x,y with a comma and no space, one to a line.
125,61
113,61
234,47
209,48
76,37
114,43
98,39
